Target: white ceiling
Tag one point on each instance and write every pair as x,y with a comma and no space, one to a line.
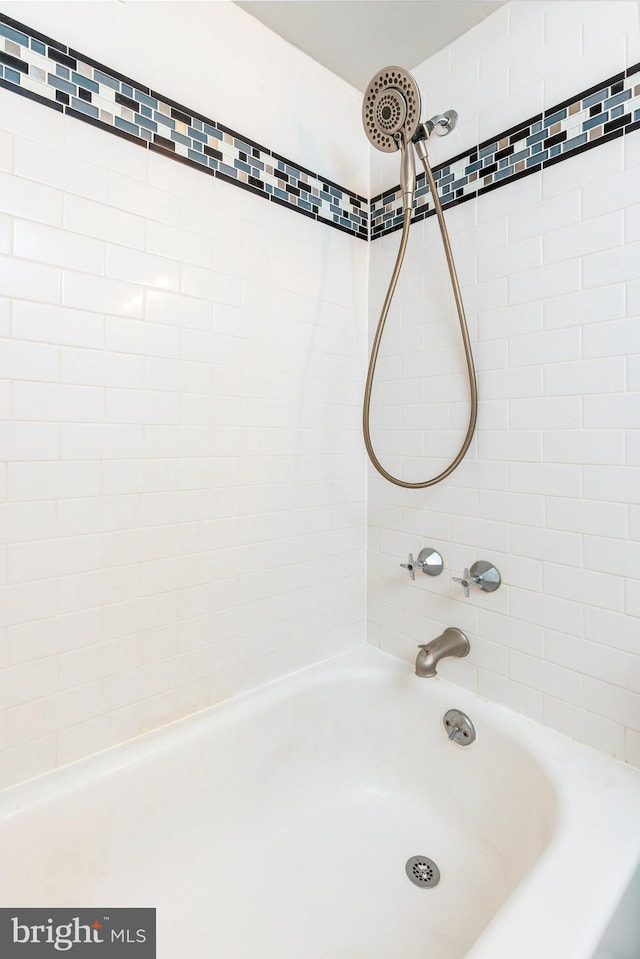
355,38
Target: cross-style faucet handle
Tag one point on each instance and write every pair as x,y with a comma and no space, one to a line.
465,581
482,574
410,565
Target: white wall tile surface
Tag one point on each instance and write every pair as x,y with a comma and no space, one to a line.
182,486
553,302
181,367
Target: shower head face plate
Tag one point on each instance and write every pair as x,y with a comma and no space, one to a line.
391,104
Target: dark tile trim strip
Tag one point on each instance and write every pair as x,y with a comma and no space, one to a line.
48,72
73,83
603,112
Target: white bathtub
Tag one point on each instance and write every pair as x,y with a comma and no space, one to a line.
277,826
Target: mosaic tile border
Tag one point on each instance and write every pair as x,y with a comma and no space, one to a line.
70,82
36,66
605,111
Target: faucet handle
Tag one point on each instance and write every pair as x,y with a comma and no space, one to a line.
429,561
482,574
410,565
465,581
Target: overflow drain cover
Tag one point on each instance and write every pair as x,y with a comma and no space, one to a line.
422,871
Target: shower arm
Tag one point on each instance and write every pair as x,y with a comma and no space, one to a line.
421,150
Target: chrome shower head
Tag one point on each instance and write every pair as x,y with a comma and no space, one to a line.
391,107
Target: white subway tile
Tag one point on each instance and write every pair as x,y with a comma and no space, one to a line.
611,628
584,726
6,234
586,657
101,368
180,310
537,220
57,403
52,480
103,222
617,338
632,604
545,412
604,375
25,280
548,347
612,483
617,704
6,151
56,324
30,200
589,236
29,681
222,288
509,384
84,292
512,507
632,223
20,522
57,557
548,611
46,244
147,269
124,192
503,690
586,516
613,411
584,446
510,321
29,441
632,456
510,445
554,279
515,258
584,586
50,713
611,266
27,760
616,192
612,555
93,735
101,441
60,170
148,339
29,361
177,244
585,306
549,479
25,602
549,678
565,548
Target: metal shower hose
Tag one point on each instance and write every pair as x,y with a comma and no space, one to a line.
473,413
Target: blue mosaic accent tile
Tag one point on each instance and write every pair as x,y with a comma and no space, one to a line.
46,70
607,110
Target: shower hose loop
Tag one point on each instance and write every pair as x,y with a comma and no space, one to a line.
473,388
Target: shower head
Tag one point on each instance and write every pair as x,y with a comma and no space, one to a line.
391,107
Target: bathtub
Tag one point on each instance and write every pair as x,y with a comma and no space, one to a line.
278,825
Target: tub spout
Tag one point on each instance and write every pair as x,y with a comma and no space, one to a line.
452,642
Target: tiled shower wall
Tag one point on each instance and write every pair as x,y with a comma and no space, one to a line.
182,505
550,491
181,492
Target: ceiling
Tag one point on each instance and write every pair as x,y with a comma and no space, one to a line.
355,38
